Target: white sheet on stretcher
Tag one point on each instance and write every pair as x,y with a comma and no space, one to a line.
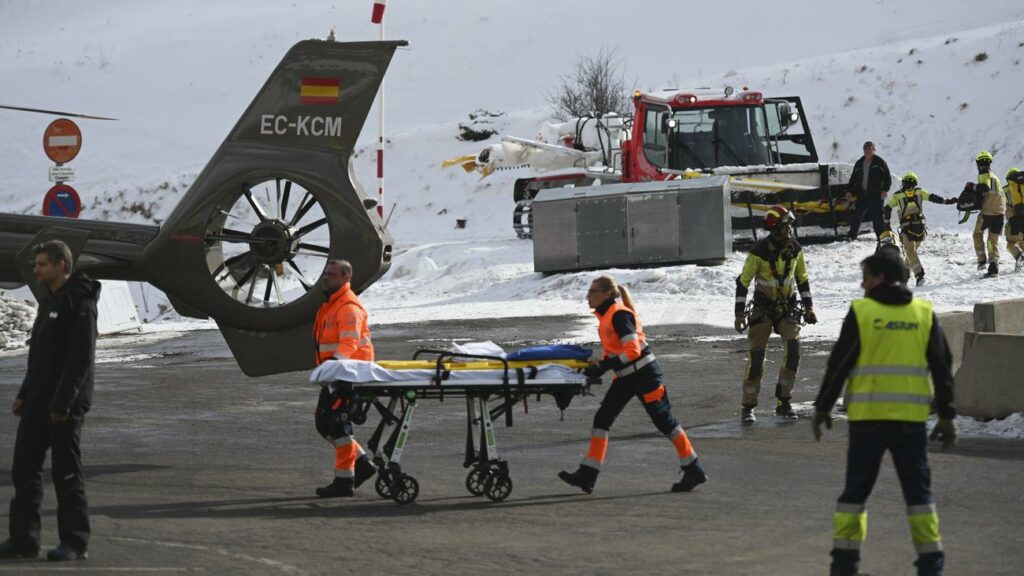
363,372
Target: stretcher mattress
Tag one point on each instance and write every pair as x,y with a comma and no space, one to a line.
455,374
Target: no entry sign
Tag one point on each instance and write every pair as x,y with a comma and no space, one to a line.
62,141
62,201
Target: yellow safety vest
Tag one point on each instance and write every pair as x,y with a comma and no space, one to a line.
890,380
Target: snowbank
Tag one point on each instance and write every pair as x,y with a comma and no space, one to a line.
16,317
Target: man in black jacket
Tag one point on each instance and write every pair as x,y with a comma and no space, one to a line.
889,344
869,183
52,402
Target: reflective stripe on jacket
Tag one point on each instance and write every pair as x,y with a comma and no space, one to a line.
890,378
342,329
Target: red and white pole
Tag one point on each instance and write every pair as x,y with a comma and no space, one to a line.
378,19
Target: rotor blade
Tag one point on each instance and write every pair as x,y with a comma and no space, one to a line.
229,235
277,190
255,206
306,284
315,248
310,227
311,254
284,199
252,285
266,192
277,288
230,239
55,113
227,264
270,285
303,208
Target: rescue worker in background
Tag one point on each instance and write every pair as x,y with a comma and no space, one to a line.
776,266
993,209
869,183
909,203
52,403
341,332
888,344
1014,192
637,374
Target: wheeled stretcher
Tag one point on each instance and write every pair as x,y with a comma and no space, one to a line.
490,385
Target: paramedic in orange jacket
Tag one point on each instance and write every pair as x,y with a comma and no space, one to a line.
637,374
341,332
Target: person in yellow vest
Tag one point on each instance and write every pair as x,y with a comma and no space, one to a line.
1014,192
341,332
888,345
993,208
909,203
637,374
776,266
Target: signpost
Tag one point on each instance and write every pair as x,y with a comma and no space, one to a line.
62,141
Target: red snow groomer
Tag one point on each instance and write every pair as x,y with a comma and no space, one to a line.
763,144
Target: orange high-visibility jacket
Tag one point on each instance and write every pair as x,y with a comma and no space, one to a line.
341,329
629,347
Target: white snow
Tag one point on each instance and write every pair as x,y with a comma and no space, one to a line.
180,74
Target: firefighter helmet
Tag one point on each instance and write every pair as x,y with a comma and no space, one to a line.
909,180
777,215
1011,173
983,157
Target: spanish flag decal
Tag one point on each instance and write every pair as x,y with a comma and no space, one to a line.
319,91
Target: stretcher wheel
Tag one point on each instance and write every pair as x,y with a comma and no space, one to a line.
498,486
406,489
475,481
383,485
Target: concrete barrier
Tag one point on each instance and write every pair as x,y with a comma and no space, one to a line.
989,383
1003,317
955,325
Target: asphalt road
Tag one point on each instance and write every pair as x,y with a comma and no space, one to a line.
192,467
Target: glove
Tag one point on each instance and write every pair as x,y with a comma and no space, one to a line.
810,317
740,324
593,371
821,417
952,200
945,431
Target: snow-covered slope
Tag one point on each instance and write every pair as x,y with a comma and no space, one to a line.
906,74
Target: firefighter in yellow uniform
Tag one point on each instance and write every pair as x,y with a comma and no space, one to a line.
993,209
341,332
776,266
888,345
909,203
1014,193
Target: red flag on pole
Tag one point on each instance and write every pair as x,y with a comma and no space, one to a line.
378,11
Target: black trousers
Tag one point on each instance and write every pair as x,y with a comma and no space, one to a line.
622,390
867,207
36,435
334,410
908,444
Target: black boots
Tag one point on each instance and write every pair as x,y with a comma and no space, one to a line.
340,488
747,416
8,551
784,409
993,270
920,279
583,478
693,476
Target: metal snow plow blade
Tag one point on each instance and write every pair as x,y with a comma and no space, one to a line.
639,224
